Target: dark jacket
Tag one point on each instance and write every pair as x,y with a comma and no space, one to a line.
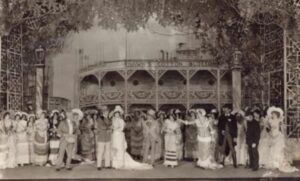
253,132
230,121
103,130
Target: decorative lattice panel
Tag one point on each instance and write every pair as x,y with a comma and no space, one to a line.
273,65
293,85
11,88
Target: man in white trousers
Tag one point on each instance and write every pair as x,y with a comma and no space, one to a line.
103,140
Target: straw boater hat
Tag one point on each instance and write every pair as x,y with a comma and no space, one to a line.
79,112
118,109
275,109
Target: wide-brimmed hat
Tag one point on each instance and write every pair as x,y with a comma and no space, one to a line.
275,109
10,112
159,113
78,112
31,116
54,111
177,111
201,112
118,109
40,112
18,113
151,112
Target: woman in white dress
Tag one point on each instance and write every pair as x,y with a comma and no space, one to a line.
22,139
205,139
120,158
3,142
10,130
241,146
264,142
278,159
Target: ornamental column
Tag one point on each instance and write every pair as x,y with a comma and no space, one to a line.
236,80
39,78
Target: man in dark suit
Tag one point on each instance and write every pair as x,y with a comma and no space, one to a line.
227,130
252,138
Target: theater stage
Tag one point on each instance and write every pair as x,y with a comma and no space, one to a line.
186,171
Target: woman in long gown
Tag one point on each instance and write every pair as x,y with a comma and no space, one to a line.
3,142
264,142
120,158
241,146
161,116
191,138
137,137
54,139
22,140
10,129
127,130
30,134
213,119
179,135
278,159
41,144
172,133
205,138
87,139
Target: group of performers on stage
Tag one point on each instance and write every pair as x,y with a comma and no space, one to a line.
253,138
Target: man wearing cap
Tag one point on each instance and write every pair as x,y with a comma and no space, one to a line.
67,130
151,137
103,139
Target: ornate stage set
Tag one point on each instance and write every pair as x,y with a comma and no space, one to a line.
184,84
157,84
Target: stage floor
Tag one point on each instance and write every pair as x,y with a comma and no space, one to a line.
186,170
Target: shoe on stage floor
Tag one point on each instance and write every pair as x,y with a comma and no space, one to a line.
99,168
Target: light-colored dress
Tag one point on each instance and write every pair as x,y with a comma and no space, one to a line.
264,145
41,144
30,134
278,159
120,158
241,146
54,144
172,138
22,143
205,139
11,143
3,147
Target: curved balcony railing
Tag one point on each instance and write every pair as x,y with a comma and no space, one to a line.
89,100
141,96
207,96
